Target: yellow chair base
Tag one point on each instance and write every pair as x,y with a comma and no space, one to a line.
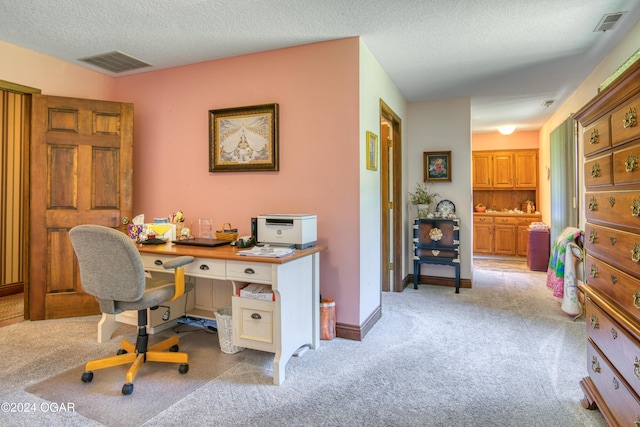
155,353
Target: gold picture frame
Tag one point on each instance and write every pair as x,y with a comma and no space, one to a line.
372,151
244,139
437,166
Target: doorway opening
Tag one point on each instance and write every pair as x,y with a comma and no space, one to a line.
391,199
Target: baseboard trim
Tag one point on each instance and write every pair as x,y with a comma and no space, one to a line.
355,332
11,289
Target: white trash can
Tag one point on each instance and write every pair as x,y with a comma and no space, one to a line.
225,333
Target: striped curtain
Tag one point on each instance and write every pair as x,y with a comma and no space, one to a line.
563,178
14,143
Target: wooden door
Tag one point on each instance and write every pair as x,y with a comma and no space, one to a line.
505,239
483,238
503,170
81,172
526,169
482,170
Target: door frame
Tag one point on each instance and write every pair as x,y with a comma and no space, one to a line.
387,114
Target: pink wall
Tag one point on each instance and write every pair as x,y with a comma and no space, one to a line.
316,87
497,141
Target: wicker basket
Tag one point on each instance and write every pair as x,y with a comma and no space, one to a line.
225,335
227,233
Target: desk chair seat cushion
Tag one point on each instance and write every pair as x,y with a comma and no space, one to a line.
111,270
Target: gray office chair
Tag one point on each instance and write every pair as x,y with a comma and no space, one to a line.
111,270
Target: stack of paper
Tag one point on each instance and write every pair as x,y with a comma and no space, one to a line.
257,291
266,252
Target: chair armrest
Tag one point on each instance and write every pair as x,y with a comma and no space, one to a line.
177,262
178,273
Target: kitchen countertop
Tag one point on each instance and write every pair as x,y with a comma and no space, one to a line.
497,213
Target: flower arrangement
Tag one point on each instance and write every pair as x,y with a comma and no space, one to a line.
423,195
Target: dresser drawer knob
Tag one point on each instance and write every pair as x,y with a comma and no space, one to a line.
593,204
637,421
635,207
630,118
595,136
635,252
595,365
204,267
612,201
631,163
636,299
612,240
614,279
614,333
616,385
256,316
249,271
636,368
593,271
593,237
595,170
158,262
594,322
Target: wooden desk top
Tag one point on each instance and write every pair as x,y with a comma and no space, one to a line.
226,252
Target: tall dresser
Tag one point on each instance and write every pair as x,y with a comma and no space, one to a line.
612,244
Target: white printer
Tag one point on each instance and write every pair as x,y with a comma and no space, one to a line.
291,230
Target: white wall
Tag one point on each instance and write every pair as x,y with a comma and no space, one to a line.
443,125
587,90
375,85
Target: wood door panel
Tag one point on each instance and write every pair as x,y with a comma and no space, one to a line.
81,161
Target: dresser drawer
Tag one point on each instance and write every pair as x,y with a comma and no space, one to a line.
621,208
249,272
624,123
621,401
618,286
482,219
596,137
253,322
618,248
616,344
626,165
505,220
597,172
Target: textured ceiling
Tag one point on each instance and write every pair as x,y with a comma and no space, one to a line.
508,56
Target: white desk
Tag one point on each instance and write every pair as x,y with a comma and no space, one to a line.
281,326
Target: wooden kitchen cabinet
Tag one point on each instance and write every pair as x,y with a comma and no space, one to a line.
482,170
505,170
483,235
505,237
500,234
526,169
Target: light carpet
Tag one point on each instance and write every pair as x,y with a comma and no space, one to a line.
11,306
499,354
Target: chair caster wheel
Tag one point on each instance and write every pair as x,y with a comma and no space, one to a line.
174,348
127,388
121,351
87,377
184,368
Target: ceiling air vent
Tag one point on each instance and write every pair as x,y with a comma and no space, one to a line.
609,21
115,61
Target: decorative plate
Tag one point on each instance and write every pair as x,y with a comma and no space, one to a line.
446,207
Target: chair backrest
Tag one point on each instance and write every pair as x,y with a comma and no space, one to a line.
110,265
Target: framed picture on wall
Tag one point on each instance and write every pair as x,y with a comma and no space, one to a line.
437,166
372,151
244,139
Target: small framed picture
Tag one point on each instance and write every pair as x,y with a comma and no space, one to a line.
437,166
244,139
372,151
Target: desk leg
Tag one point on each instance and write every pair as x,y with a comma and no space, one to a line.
457,278
106,327
315,303
416,274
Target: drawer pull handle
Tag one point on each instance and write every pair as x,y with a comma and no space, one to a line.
612,239
636,299
593,204
612,201
636,368
595,170
635,207
593,237
204,267
614,279
158,262
249,271
631,163
594,322
630,118
593,272
256,316
595,366
614,333
635,252
595,137
616,385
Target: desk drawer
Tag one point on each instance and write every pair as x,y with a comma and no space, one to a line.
154,262
253,323
206,267
249,272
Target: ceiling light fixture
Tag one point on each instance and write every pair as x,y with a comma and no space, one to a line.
506,130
